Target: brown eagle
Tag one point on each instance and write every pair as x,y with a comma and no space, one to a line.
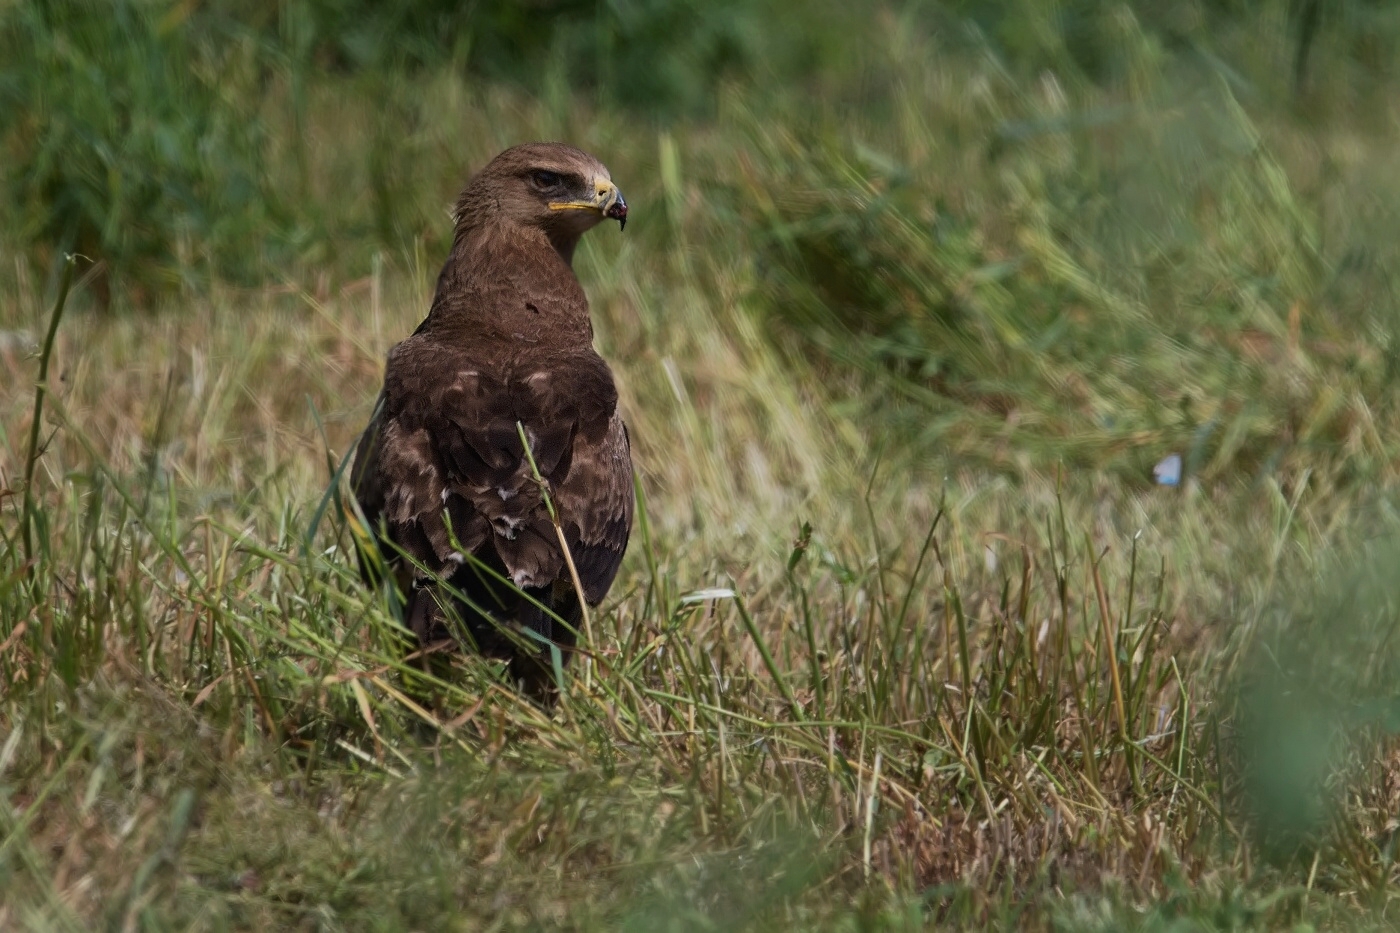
441,474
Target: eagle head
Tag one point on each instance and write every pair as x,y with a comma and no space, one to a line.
550,186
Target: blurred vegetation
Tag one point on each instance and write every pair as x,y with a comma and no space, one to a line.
131,135
914,296
136,132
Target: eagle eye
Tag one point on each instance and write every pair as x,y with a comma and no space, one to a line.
546,180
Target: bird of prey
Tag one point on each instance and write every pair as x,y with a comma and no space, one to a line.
441,474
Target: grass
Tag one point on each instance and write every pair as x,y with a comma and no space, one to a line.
905,637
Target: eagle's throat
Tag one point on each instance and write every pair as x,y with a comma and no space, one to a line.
564,243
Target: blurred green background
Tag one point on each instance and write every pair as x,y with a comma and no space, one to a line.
165,136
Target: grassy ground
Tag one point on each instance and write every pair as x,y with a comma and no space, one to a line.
905,637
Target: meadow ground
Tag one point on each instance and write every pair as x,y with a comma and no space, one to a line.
906,635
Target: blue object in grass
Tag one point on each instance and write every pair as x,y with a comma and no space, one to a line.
1168,471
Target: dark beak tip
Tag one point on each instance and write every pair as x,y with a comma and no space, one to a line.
618,212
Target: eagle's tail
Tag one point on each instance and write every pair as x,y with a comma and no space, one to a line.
506,622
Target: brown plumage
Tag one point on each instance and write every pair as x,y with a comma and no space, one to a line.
441,473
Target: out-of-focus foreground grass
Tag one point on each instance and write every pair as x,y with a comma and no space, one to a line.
911,301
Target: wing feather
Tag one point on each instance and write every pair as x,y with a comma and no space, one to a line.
595,503
445,451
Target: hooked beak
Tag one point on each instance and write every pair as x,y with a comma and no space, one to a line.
606,200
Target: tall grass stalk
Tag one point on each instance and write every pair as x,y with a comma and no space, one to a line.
32,452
